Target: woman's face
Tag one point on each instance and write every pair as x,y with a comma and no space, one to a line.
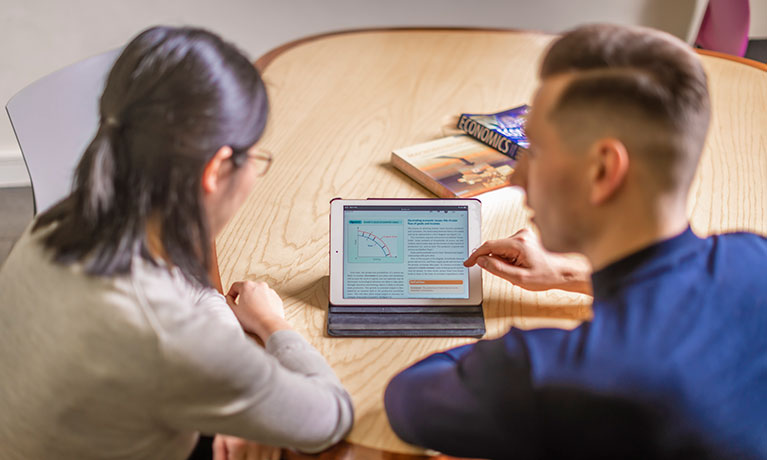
230,186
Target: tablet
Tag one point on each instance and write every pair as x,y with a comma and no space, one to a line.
404,252
396,268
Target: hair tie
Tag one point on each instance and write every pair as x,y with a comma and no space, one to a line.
111,122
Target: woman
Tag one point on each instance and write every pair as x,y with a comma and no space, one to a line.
113,343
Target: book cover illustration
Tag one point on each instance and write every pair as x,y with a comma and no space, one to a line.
503,131
456,166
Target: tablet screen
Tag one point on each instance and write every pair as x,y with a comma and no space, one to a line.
405,252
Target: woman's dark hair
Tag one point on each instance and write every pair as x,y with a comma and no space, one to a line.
173,98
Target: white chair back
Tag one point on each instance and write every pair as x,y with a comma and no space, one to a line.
54,119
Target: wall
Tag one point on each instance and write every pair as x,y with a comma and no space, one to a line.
758,19
40,36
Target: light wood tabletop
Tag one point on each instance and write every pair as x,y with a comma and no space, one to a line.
341,103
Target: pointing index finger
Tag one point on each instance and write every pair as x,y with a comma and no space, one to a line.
486,249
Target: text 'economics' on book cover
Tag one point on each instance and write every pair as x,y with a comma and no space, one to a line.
503,131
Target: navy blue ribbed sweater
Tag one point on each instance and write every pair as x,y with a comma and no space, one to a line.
681,324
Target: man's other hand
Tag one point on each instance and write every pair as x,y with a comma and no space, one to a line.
522,260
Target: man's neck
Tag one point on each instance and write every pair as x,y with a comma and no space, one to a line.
632,232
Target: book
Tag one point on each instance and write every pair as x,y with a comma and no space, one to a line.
455,166
503,131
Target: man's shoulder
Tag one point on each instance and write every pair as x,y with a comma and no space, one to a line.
740,250
742,239
736,266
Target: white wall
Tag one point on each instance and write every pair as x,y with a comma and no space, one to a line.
40,36
758,19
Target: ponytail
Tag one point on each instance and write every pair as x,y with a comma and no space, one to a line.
95,174
172,99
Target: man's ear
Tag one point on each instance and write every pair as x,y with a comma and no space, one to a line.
215,169
609,169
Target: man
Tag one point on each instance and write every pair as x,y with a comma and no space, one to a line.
680,323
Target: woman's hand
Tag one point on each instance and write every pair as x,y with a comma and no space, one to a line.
232,448
257,307
522,260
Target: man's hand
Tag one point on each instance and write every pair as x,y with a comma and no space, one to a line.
258,308
522,260
232,448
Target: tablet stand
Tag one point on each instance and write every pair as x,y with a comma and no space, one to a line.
405,321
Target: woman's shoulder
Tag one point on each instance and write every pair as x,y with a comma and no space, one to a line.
174,303
151,295
152,303
70,308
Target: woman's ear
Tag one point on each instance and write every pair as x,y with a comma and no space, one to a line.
216,169
609,169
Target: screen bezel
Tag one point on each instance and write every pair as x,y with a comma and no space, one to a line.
337,250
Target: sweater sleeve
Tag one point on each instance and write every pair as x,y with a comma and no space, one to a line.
472,401
215,379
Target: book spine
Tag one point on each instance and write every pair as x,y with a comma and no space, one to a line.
488,137
422,178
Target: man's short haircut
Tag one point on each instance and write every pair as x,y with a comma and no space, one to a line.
642,86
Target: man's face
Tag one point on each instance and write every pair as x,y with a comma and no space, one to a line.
555,177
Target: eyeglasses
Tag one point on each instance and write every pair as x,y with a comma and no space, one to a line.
263,159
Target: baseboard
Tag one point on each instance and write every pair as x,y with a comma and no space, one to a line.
13,171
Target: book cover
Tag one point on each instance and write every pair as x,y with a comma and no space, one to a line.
503,131
455,166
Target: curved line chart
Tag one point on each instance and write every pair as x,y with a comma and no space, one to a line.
376,241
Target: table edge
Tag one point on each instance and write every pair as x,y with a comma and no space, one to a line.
729,57
267,58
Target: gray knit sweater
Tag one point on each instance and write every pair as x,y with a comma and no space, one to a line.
133,367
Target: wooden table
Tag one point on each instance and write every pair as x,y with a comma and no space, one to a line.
342,102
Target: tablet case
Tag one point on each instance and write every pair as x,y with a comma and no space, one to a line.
405,321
